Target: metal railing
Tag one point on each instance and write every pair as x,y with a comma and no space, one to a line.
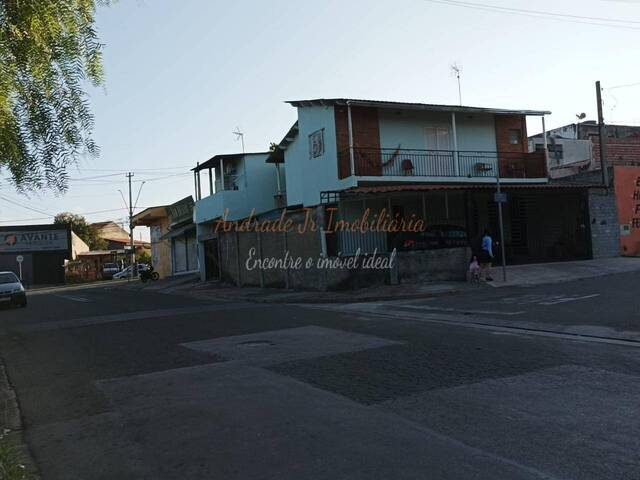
386,162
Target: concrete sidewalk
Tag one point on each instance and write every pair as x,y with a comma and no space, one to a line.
546,273
517,276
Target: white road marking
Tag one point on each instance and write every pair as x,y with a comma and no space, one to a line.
544,299
73,298
569,299
457,310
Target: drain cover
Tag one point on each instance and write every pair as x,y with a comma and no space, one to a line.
255,343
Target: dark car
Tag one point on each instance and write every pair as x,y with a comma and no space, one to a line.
109,270
11,290
433,237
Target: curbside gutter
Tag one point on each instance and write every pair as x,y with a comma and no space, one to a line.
11,424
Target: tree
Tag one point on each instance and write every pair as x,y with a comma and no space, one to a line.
144,257
82,228
49,50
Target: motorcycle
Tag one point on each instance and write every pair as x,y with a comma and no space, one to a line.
149,274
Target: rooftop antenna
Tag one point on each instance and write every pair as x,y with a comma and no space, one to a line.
457,70
240,136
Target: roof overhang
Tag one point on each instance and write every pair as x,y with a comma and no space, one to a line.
215,160
361,191
413,106
150,215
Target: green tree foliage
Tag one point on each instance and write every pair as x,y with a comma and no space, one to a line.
49,53
82,228
144,257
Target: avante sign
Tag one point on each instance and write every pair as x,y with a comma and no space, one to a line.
33,240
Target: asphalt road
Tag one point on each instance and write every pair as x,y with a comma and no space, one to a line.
535,383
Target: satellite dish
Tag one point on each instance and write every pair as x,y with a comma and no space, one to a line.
582,116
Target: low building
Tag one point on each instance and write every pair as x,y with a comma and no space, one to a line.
174,248
239,184
157,219
118,238
37,253
574,158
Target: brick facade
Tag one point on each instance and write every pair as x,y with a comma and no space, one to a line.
366,135
620,151
505,123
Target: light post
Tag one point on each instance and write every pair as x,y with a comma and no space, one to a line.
501,198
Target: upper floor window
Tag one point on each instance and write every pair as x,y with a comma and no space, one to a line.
316,144
515,136
438,138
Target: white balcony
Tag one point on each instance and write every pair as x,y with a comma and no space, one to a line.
212,207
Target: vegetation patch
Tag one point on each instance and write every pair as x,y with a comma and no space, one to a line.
12,466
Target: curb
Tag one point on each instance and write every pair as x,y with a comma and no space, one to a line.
11,420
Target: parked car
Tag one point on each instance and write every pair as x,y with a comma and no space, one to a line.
109,270
11,290
433,237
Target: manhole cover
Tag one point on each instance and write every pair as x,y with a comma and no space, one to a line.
255,343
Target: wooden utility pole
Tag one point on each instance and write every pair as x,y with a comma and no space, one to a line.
603,137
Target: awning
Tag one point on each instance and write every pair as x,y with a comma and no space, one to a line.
487,186
334,196
176,232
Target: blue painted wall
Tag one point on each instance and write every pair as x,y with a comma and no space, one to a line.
308,177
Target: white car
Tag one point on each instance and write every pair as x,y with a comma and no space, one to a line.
11,290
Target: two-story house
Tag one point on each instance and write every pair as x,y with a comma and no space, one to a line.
440,163
238,185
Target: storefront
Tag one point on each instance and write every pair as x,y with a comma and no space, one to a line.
182,235
542,223
37,252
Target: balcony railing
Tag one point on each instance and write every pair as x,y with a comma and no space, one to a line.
442,163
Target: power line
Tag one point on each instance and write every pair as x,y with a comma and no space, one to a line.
24,206
580,19
138,170
623,86
95,212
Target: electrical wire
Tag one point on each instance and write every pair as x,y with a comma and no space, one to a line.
95,212
615,87
8,200
579,19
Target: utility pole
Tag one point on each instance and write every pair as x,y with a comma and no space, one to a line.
132,253
603,137
499,198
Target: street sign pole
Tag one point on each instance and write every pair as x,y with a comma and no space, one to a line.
20,259
500,201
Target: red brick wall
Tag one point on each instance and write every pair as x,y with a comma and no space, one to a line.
504,123
514,161
620,151
366,135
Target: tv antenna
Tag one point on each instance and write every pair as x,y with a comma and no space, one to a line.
239,136
457,70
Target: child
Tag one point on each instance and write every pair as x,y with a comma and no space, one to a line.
474,270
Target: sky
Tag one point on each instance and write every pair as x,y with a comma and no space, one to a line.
182,76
